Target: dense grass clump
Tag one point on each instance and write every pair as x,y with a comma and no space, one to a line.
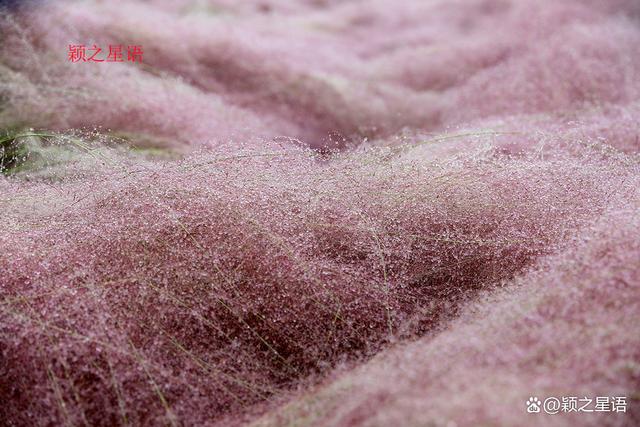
197,288
567,328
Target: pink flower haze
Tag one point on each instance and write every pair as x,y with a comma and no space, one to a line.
319,213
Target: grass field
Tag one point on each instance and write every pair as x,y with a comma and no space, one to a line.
319,213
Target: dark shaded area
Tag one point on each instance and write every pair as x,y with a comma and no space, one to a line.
12,154
13,4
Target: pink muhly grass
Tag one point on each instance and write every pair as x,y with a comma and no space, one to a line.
566,328
192,286
326,213
215,74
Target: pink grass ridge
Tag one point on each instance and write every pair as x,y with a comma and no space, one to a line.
322,213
